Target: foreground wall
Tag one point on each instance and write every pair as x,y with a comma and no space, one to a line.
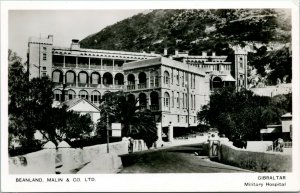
255,161
65,159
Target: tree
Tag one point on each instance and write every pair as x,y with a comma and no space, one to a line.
30,109
242,114
136,123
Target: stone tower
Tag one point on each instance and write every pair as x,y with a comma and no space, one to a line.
240,68
40,57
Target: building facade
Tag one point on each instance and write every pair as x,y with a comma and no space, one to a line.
173,88
77,72
174,91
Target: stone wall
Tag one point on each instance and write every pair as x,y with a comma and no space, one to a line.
255,161
64,160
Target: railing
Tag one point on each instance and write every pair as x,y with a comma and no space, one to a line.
119,86
94,85
95,66
288,145
58,64
71,65
107,67
58,83
107,85
83,84
142,85
118,68
152,85
71,84
83,66
131,87
154,107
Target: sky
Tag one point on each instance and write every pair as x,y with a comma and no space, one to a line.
64,25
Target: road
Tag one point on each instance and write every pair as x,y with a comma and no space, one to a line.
179,159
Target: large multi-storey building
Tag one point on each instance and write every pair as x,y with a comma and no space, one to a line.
77,72
174,91
173,88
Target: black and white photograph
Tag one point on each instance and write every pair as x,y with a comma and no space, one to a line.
150,93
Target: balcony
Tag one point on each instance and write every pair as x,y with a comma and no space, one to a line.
143,107
154,107
107,67
117,86
131,87
156,85
56,64
83,84
83,66
68,65
95,85
73,84
109,86
95,66
142,86
58,84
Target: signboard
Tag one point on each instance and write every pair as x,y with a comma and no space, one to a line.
116,130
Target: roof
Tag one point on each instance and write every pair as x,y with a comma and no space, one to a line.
287,115
73,102
163,61
224,77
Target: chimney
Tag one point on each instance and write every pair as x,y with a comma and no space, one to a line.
214,54
50,37
75,44
176,52
165,51
204,54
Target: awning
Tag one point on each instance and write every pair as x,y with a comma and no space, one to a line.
228,78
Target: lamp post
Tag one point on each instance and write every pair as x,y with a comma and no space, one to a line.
107,132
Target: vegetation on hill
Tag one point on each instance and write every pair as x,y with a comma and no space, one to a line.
196,31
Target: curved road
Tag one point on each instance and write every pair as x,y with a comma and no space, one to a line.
179,159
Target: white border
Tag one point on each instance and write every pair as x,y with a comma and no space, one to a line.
149,182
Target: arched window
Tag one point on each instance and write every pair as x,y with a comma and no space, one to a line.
83,94
57,95
95,96
154,99
166,78
107,79
217,82
57,76
119,79
70,95
131,79
142,80
143,99
95,78
82,78
70,77
167,100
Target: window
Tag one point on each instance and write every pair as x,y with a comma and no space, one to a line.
178,118
44,56
71,95
95,97
183,79
178,100
167,100
57,95
83,94
177,78
44,74
166,77
186,99
186,118
44,68
183,101
44,49
172,99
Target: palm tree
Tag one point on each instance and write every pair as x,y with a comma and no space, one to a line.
136,123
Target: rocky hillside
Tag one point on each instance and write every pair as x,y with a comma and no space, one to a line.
198,30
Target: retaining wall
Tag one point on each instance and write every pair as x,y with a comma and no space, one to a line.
255,161
64,160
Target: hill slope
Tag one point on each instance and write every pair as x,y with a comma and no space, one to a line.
195,31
